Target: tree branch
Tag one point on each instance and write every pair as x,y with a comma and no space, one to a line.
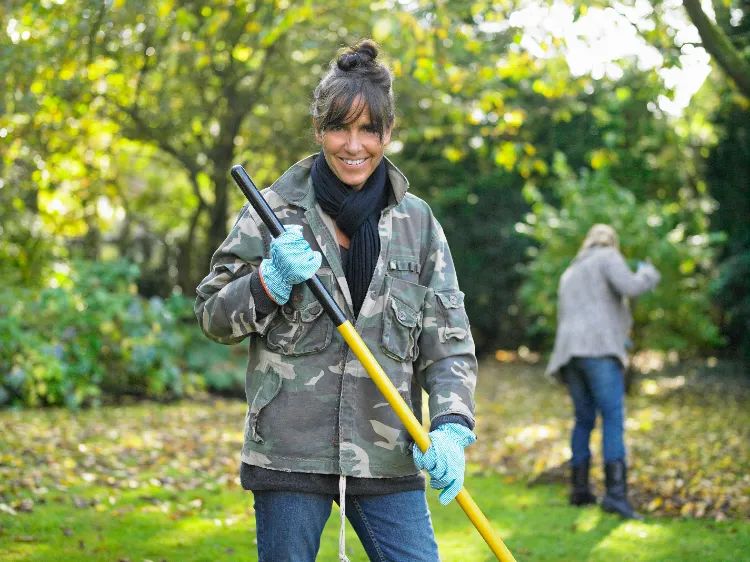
718,45
148,134
146,66
94,29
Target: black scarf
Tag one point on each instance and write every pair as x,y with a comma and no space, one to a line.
357,214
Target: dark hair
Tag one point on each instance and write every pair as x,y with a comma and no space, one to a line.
355,72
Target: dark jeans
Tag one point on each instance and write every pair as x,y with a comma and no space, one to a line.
596,384
392,527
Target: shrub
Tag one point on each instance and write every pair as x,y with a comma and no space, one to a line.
91,335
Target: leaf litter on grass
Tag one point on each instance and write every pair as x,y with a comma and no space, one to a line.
120,450
688,446
688,438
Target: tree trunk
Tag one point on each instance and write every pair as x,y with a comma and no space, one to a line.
92,241
189,273
222,157
219,215
718,45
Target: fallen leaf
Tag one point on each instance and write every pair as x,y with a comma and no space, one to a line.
26,505
5,508
80,503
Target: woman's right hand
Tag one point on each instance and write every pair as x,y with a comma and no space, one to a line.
647,269
292,261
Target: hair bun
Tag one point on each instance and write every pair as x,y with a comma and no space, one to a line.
360,55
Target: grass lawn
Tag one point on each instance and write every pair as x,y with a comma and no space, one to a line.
154,482
535,523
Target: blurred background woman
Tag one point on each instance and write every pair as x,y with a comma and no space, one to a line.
593,322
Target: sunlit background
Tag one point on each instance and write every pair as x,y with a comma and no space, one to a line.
521,123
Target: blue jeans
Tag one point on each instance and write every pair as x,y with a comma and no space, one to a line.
596,383
391,527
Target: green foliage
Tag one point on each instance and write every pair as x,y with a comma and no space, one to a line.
674,236
728,178
732,292
221,367
479,224
25,250
90,335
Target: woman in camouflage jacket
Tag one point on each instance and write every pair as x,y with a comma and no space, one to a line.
315,420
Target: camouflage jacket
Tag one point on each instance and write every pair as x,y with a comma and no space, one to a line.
312,407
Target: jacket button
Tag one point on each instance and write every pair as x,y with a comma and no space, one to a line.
454,300
315,309
288,309
401,315
297,298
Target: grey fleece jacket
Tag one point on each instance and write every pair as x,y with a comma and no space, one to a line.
593,315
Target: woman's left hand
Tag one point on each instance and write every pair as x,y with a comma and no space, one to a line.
444,459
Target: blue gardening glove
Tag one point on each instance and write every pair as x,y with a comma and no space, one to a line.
292,261
444,459
645,265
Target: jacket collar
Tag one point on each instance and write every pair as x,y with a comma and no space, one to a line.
295,186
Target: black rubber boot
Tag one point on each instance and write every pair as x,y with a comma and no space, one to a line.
580,493
616,500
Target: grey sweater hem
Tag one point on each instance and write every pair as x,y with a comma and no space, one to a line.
255,478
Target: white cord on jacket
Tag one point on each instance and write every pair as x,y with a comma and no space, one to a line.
342,511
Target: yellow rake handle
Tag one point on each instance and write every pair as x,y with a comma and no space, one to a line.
420,436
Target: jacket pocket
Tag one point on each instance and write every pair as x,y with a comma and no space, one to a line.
451,316
263,388
301,327
406,268
402,318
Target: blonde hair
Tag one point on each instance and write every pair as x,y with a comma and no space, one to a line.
601,235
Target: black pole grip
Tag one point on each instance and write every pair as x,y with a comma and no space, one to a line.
268,217
256,200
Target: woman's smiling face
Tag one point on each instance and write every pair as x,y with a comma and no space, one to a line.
354,149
